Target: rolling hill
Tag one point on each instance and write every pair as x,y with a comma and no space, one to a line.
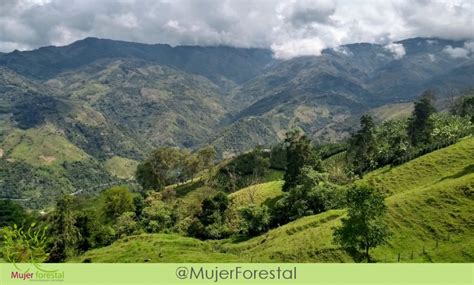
431,220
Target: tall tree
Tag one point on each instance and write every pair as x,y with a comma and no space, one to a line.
363,147
167,165
464,106
63,230
207,155
117,200
365,227
299,153
420,125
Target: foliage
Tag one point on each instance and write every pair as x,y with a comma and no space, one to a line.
299,153
126,225
420,125
63,230
447,127
158,213
464,106
210,223
365,227
167,165
206,156
117,200
12,213
314,195
362,150
278,157
392,141
255,219
93,231
244,170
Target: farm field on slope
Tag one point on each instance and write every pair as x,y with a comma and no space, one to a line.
429,213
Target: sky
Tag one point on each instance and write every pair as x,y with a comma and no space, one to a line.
290,28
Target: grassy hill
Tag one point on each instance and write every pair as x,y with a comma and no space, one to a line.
256,194
430,217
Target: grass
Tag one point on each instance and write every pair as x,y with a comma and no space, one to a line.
157,248
456,160
256,194
41,146
430,216
121,167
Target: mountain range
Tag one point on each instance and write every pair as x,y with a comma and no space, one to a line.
76,116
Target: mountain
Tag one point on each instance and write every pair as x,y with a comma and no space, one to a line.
76,115
225,66
324,95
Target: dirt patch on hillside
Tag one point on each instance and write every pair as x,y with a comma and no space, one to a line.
48,159
1,153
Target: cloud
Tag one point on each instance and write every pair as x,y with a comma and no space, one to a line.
397,50
456,52
291,28
460,52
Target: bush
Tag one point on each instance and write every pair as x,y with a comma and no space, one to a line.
314,195
126,225
255,219
244,170
157,216
211,222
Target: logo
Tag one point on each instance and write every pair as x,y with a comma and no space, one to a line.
26,250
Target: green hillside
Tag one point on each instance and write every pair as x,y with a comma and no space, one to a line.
430,220
451,162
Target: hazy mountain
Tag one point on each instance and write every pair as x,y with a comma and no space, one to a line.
223,65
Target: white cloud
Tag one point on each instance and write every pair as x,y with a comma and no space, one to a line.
397,50
300,47
289,27
432,57
469,46
456,52
343,50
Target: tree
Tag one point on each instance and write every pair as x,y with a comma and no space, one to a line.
117,200
157,216
126,225
63,230
167,166
244,170
447,127
207,155
362,150
210,222
365,227
420,125
464,106
255,219
392,141
313,195
278,157
93,233
299,153
12,213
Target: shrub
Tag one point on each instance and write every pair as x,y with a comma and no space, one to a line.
255,219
